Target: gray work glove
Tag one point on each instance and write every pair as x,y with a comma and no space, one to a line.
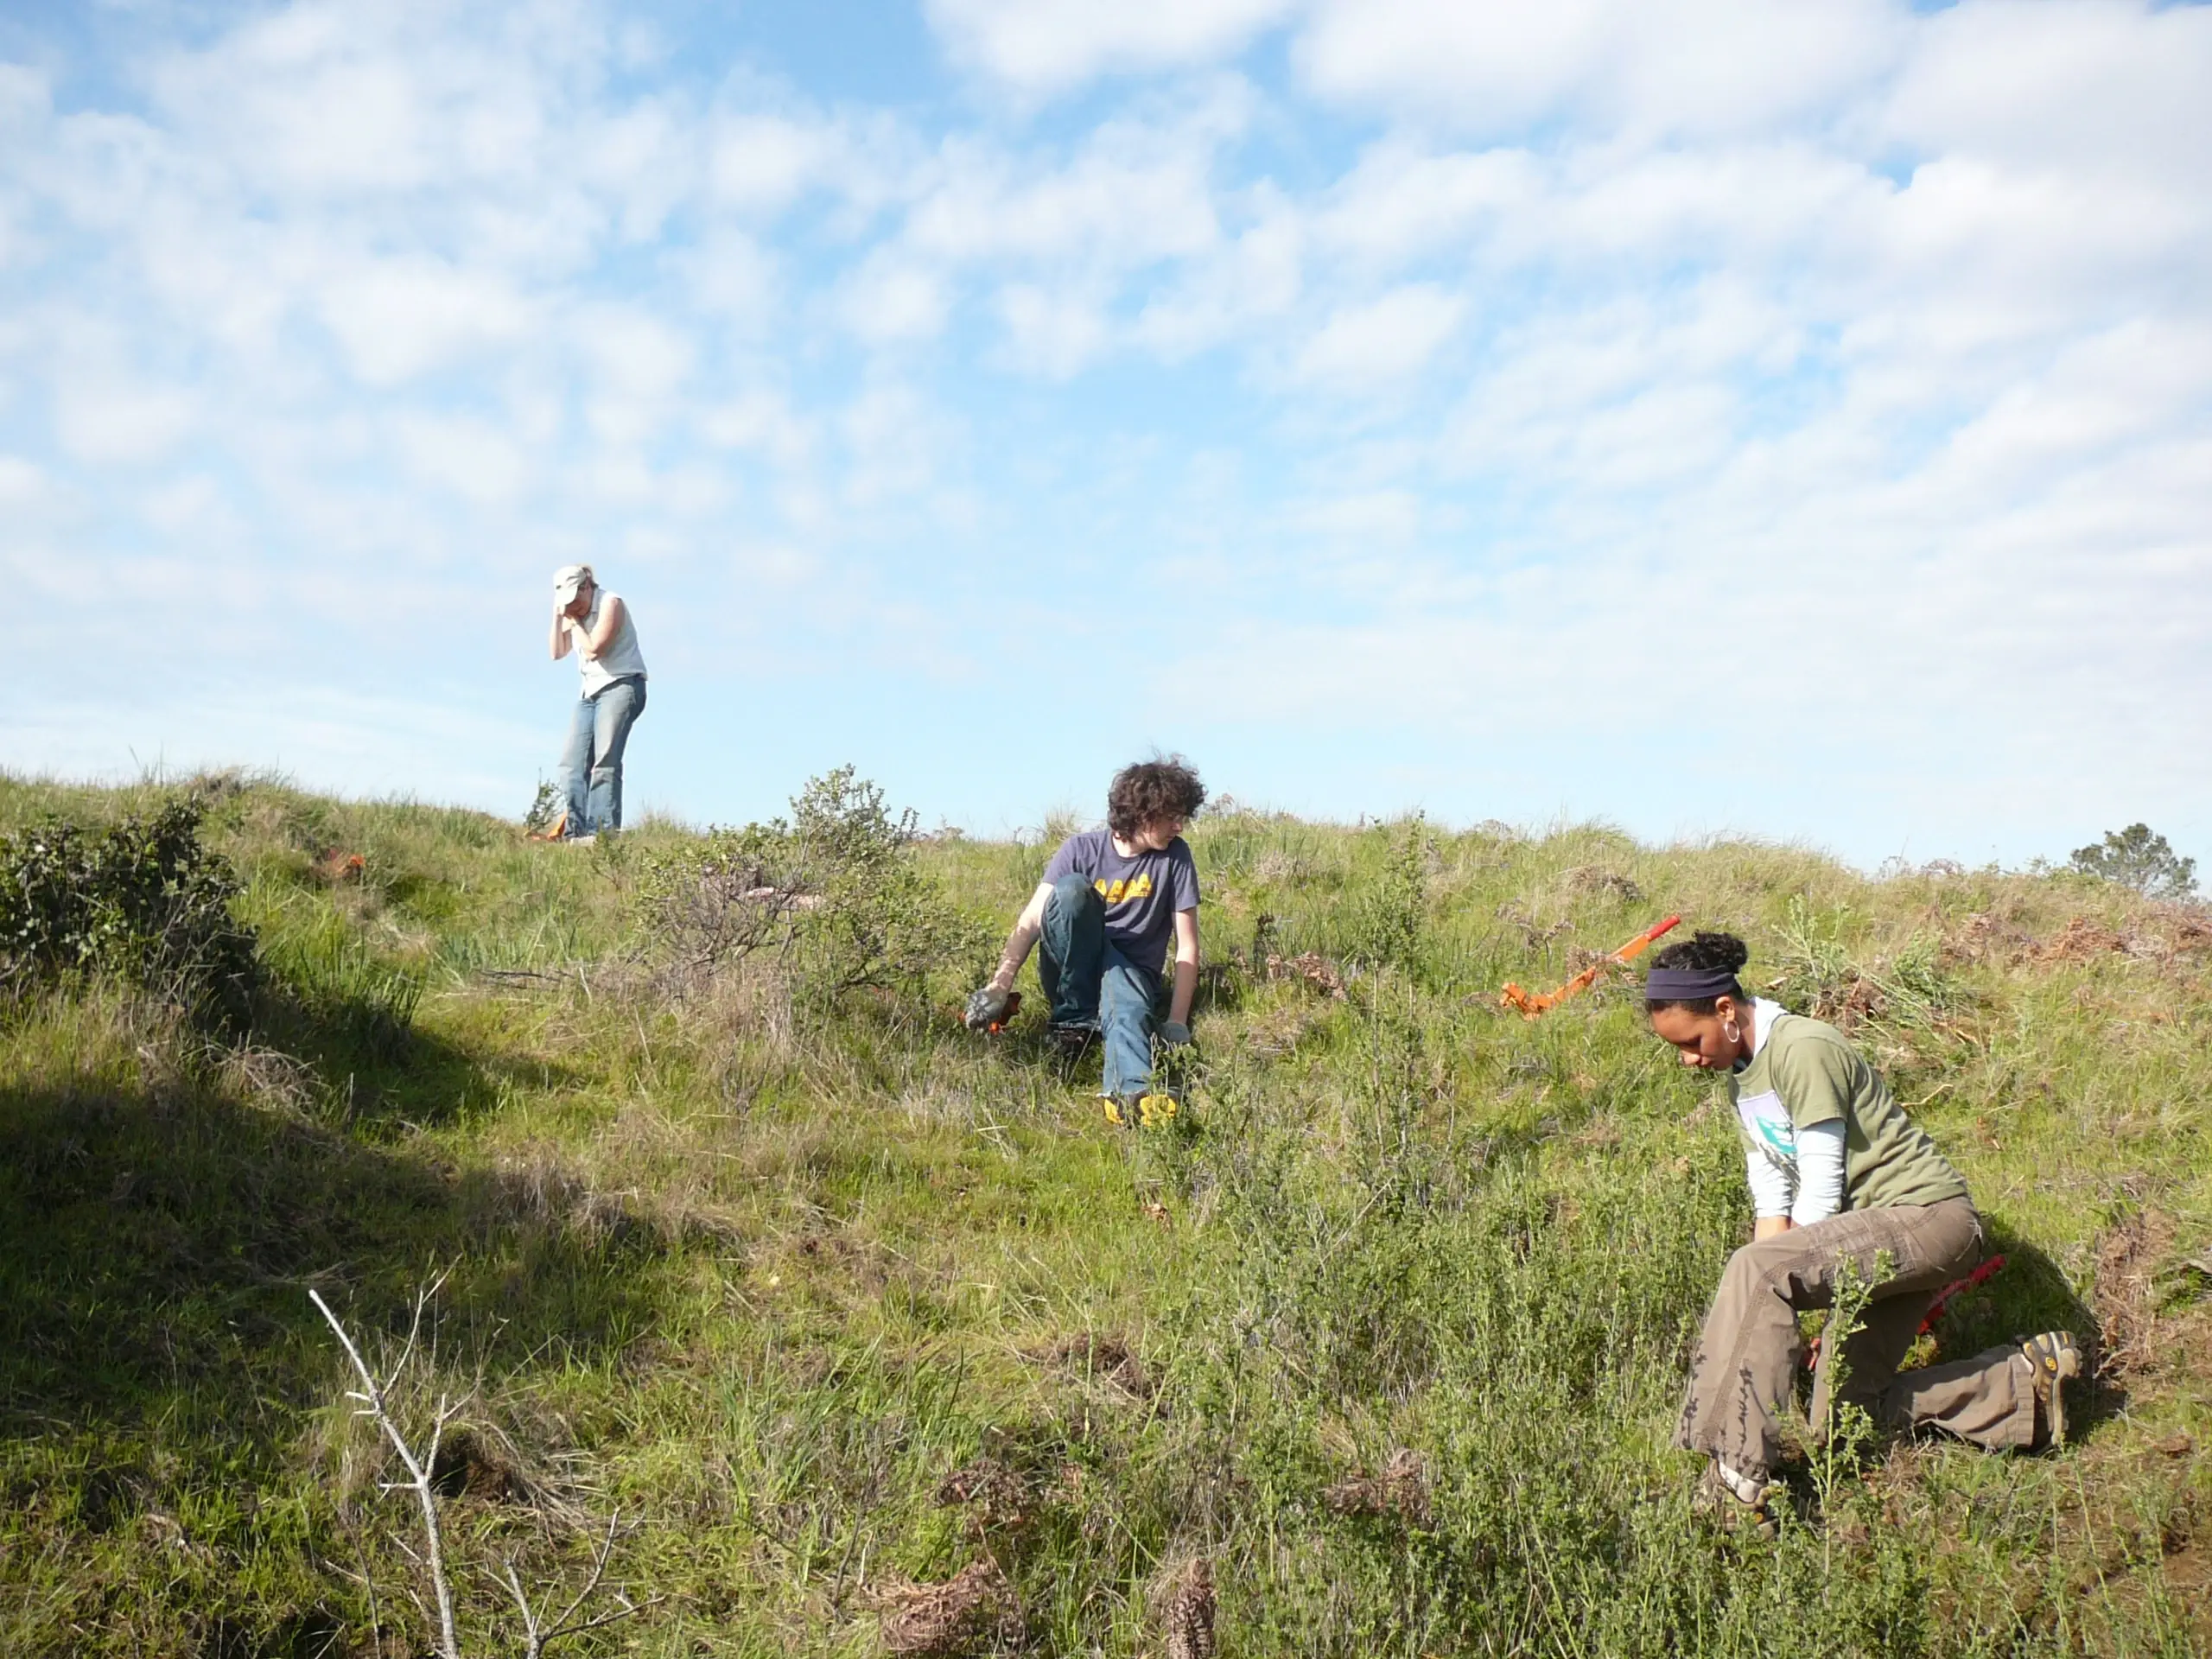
1174,1033
986,1008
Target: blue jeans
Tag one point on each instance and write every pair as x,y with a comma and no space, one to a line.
1091,983
591,765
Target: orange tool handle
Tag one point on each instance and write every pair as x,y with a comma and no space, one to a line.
1529,1007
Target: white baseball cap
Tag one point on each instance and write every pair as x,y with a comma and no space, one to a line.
568,580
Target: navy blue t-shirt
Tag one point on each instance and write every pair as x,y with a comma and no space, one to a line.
1142,893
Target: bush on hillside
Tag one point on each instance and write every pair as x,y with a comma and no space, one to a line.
835,895
145,901
2136,858
1388,919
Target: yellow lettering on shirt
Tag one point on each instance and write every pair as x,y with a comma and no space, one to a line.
1129,887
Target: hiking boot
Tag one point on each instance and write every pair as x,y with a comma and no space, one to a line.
1070,1038
1720,1499
1121,1111
2052,1357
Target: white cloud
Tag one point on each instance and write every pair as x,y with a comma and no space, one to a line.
1548,315
761,162
1652,67
400,318
109,418
890,298
1380,340
1049,46
325,98
1243,288
1135,194
1052,334
468,454
2106,89
23,484
762,421
1399,203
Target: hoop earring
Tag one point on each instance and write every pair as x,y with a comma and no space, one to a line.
1731,1031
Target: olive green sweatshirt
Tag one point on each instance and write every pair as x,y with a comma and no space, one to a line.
1806,1073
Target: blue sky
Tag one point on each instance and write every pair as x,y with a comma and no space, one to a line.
1782,417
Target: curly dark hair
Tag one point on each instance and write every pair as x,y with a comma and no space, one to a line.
1708,952
1150,791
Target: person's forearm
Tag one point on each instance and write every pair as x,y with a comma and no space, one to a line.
1018,943
558,644
1186,989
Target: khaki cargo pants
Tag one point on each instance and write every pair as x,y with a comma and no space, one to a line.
1746,1361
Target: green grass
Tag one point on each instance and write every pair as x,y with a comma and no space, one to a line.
760,1276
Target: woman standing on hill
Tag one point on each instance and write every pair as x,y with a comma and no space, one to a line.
1838,1173
595,624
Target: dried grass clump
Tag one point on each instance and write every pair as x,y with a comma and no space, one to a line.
993,1494
1986,936
975,1611
1596,878
1535,933
2129,1255
1187,1616
1102,1358
334,867
2080,940
1308,967
1402,1490
270,1077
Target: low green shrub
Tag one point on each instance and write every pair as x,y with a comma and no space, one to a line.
1388,919
835,895
144,900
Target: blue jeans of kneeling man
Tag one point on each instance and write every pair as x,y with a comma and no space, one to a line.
1091,983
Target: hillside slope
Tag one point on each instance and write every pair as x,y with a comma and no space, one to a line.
824,1301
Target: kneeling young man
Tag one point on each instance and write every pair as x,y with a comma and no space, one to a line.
1110,900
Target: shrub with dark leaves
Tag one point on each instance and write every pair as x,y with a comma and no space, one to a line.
143,901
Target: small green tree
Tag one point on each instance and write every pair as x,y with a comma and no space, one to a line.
880,921
1389,918
2136,858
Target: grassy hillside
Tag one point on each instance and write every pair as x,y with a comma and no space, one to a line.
824,1302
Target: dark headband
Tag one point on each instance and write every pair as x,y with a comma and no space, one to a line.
1689,984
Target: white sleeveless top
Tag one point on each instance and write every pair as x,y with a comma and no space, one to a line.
620,660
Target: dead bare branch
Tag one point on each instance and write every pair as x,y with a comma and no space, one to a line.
418,1469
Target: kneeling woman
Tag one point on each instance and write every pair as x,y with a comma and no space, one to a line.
1838,1172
